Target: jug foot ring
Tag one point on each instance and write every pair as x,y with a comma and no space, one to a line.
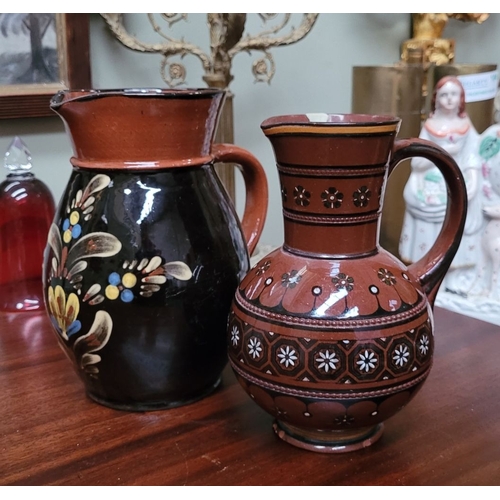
336,441
154,405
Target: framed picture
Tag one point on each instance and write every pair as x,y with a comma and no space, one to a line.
41,54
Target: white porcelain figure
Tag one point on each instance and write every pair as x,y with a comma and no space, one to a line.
425,192
486,283
482,298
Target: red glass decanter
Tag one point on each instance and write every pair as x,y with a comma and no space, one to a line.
26,213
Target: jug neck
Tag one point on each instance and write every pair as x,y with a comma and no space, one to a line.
332,213
332,178
140,128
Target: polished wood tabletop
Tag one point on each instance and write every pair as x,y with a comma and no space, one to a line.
52,434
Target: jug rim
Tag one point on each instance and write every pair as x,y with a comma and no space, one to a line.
330,120
71,95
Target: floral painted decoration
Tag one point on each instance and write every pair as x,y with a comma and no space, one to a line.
301,196
64,311
386,277
362,196
71,249
343,282
367,361
332,198
290,280
389,290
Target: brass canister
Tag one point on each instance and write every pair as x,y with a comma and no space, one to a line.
394,90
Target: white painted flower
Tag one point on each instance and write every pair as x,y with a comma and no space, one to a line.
401,355
367,361
254,347
287,356
327,361
424,345
235,335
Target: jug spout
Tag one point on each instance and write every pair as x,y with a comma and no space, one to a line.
333,170
140,128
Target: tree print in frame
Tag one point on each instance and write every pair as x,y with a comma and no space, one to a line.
41,54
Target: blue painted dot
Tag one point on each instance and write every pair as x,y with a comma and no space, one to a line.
76,231
114,279
66,225
127,296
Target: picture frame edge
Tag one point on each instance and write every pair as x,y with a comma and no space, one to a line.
76,39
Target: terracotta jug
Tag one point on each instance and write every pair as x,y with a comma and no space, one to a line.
146,250
330,333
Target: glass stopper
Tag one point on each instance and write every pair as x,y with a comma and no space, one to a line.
18,157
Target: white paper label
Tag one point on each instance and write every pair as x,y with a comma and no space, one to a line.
479,86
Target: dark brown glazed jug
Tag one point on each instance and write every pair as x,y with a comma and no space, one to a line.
331,334
146,250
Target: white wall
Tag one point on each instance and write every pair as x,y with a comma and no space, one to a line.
312,76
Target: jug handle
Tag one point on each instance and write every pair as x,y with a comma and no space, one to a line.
255,179
431,268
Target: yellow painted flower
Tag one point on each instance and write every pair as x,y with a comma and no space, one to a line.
71,227
64,311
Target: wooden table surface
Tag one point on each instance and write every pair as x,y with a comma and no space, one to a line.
52,434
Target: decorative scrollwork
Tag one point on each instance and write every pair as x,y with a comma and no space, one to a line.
226,40
274,29
173,74
173,47
267,17
158,29
264,68
173,18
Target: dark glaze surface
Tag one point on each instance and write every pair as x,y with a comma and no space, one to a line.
170,347
146,250
51,434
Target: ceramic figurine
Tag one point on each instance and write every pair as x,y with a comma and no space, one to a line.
486,284
481,297
425,195
146,250
330,333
